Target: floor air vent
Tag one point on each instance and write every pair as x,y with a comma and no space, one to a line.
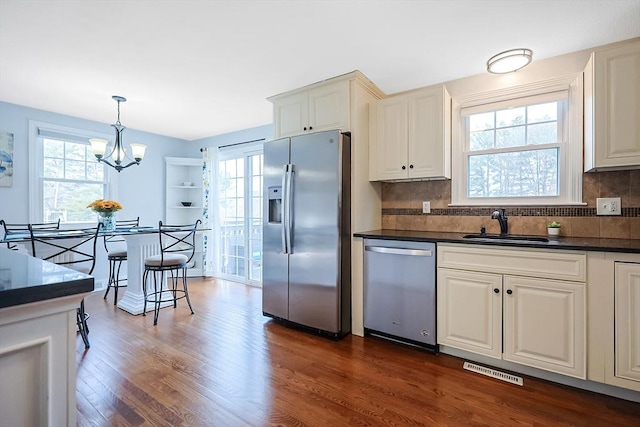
513,379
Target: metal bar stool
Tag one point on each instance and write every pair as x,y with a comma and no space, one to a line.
177,247
116,255
79,255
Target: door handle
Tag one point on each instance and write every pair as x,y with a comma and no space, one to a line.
285,248
289,208
398,251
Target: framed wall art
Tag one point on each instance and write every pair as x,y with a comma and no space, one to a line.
6,159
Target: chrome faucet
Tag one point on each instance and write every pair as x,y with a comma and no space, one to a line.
501,216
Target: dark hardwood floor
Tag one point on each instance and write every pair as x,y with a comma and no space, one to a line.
227,365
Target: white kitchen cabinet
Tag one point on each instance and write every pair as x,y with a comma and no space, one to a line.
410,136
612,108
544,324
627,321
325,107
183,185
614,319
521,305
470,311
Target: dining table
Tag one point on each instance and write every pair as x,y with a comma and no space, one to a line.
142,242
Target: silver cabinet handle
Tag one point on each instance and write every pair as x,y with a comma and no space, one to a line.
398,251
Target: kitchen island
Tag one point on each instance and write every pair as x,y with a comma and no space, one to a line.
38,302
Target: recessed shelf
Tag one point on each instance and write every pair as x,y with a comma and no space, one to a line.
178,171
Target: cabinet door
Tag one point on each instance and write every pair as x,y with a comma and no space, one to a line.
389,133
329,108
291,115
544,324
612,90
627,320
470,311
429,134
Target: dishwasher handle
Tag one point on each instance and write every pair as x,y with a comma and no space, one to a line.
398,251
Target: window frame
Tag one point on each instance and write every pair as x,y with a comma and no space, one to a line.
570,159
36,164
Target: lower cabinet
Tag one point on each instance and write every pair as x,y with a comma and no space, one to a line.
614,319
470,311
627,321
544,324
534,321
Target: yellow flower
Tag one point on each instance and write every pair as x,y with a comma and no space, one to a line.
102,205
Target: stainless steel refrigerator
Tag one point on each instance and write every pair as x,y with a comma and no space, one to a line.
306,270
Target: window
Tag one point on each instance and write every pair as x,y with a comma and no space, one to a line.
65,175
520,151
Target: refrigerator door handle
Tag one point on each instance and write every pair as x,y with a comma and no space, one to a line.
289,208
285,210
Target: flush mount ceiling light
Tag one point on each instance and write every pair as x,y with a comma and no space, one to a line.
117,154
509,60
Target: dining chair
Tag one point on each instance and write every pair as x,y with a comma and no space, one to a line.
177,247
117,254
78,254
24,229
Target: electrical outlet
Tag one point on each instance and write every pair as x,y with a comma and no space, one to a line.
426,207
608,206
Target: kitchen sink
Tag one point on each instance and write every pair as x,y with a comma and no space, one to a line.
506,238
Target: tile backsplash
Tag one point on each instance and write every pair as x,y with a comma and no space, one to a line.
402,209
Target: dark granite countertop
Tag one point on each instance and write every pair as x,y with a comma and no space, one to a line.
25,279
568,243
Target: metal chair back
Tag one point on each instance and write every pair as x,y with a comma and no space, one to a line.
177,239
125,223
24,229
74,248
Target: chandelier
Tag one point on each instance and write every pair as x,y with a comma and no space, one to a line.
117,155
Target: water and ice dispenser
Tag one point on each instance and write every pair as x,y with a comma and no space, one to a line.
275,205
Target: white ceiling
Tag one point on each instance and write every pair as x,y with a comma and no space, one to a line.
192,69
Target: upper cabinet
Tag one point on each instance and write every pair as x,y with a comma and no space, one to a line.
320,108
612,108
410,136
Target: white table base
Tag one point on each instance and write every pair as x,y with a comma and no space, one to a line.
139,247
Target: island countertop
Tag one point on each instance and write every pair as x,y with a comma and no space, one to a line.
25,279
564,243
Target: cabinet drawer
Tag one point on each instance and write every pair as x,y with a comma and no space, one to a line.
552,264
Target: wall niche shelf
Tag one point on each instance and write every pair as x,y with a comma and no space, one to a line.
179,170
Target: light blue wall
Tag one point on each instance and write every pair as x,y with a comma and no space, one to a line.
261,132
140,188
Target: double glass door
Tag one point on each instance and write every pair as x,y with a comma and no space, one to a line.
240,215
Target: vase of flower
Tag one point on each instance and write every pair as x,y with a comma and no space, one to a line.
106,210
108,221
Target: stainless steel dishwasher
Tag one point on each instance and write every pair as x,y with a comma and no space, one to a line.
400,291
